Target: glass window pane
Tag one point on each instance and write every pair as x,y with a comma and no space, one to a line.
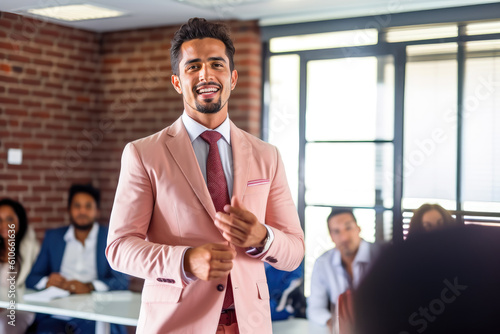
430,132
481,28
317,240
349,174
284,114
481,135
415,33
327,40
342,92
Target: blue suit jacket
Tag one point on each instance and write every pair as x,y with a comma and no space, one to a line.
50,258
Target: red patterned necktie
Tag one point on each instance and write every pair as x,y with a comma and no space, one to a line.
217,187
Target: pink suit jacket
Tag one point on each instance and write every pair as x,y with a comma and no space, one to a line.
162,206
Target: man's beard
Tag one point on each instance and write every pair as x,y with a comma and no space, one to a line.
84,227
209,108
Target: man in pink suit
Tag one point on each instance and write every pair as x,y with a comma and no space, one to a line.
203,268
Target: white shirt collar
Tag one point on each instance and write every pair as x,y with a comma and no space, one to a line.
195,129
69,236
363,255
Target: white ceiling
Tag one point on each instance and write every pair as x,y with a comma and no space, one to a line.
151,13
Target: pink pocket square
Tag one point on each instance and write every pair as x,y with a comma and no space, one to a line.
257,182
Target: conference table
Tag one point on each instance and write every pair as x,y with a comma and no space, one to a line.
121,307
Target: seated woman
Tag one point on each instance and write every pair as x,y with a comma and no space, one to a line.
16,239
430,217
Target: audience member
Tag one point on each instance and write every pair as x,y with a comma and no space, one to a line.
436,283
286,293
72,258
18,251
340,268
430,217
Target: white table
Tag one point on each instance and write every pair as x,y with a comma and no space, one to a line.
298,326
122,307
117,307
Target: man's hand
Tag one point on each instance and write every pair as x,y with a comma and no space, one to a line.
240,227
210,261
57,280
77,287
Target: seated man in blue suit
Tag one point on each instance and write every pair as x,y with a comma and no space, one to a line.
72,258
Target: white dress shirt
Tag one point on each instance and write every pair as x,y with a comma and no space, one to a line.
79,261
329,279
201,148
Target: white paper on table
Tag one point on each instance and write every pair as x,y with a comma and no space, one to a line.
46,295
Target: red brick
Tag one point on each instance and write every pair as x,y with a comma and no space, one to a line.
9,79
9,46
18,91
16,187
31,82
49,32
7,100
26,177
42,62
10,177
41,114
54,54
5,67
32,50
42,94
65,66
32,125
67,46
32,103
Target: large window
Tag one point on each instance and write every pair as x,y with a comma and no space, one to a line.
384,123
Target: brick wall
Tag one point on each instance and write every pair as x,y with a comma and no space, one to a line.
72,99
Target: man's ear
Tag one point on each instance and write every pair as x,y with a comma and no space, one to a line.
176,82
234,79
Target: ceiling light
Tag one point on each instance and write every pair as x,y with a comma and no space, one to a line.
216,3
78,12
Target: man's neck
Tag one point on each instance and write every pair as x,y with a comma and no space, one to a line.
210,121
81,235
347,261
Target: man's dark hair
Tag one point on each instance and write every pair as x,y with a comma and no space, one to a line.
338,211
84,188
199,28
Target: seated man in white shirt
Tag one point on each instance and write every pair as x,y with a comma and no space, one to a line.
72,258
340,268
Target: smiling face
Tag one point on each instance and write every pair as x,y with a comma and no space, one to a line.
205,80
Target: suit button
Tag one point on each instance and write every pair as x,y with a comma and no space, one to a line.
271,259
220,287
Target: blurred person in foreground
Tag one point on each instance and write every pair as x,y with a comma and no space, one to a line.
18,251
201,205
445,282
340,268
72,258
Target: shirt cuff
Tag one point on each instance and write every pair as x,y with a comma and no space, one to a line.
187,278
100,286
42,283
256,252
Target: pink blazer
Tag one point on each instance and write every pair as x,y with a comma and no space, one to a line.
162,206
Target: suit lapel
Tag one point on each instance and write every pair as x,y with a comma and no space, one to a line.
242,151
179,145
